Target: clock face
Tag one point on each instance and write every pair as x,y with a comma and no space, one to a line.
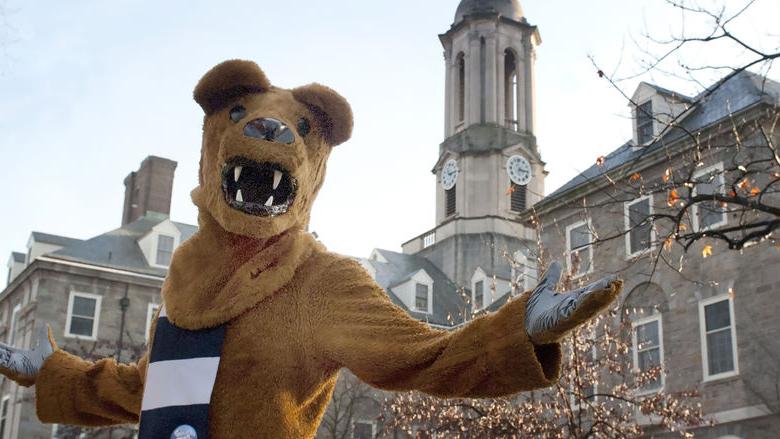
449,174
519,170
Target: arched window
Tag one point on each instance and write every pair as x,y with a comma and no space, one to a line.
461,97
482,79
510,89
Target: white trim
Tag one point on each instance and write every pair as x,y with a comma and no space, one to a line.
151,308
627,206
6,398
635,353
703,338
569,250
695,208
364,421
96,318
99,268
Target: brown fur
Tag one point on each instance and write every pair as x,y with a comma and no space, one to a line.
295,313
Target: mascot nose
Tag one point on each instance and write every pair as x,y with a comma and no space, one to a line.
272,130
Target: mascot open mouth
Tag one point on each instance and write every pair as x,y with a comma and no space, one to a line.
261,189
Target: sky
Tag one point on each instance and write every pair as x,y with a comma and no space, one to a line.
88,89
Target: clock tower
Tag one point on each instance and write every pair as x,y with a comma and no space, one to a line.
489,167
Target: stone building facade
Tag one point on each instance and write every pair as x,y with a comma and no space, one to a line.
712,327
97,295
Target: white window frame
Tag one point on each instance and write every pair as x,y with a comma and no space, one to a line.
430,296
627,213
151,308
156,248
6,399
73,295
635,352
12,324
695,207
364,421
703,338
569,249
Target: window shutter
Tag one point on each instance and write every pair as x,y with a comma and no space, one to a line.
449,202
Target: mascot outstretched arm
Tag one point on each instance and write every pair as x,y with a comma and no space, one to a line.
258,317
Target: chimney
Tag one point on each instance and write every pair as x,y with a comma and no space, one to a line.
149,189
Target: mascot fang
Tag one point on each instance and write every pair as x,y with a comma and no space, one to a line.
258,317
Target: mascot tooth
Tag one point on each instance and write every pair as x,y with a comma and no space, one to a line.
258,317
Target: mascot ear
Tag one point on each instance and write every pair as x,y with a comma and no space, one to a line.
228,81
333,113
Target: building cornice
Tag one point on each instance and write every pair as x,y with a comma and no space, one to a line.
56,264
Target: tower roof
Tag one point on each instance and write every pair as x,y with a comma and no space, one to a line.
507,8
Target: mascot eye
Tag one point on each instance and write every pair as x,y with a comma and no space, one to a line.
303,126
237,113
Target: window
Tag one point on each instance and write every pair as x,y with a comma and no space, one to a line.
510,90
151,310
479,295
708,214
164,250
580,248
449,201
83,315
644,123
718,337
584,386
421,297
429,239
639,227
4,415
12,326
648,350
461,109
363,430
517,200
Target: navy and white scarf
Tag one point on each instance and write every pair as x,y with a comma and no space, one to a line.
179,381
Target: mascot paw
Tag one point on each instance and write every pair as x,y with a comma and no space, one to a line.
22,365
549,316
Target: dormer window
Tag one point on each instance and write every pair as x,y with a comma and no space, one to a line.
421,297
164,249
644,123
479,294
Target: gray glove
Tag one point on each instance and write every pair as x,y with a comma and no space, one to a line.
549,316
23,365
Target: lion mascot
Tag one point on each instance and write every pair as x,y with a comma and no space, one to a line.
258,317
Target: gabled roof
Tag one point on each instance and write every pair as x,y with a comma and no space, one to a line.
61,241
119,248
738,93
448,306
